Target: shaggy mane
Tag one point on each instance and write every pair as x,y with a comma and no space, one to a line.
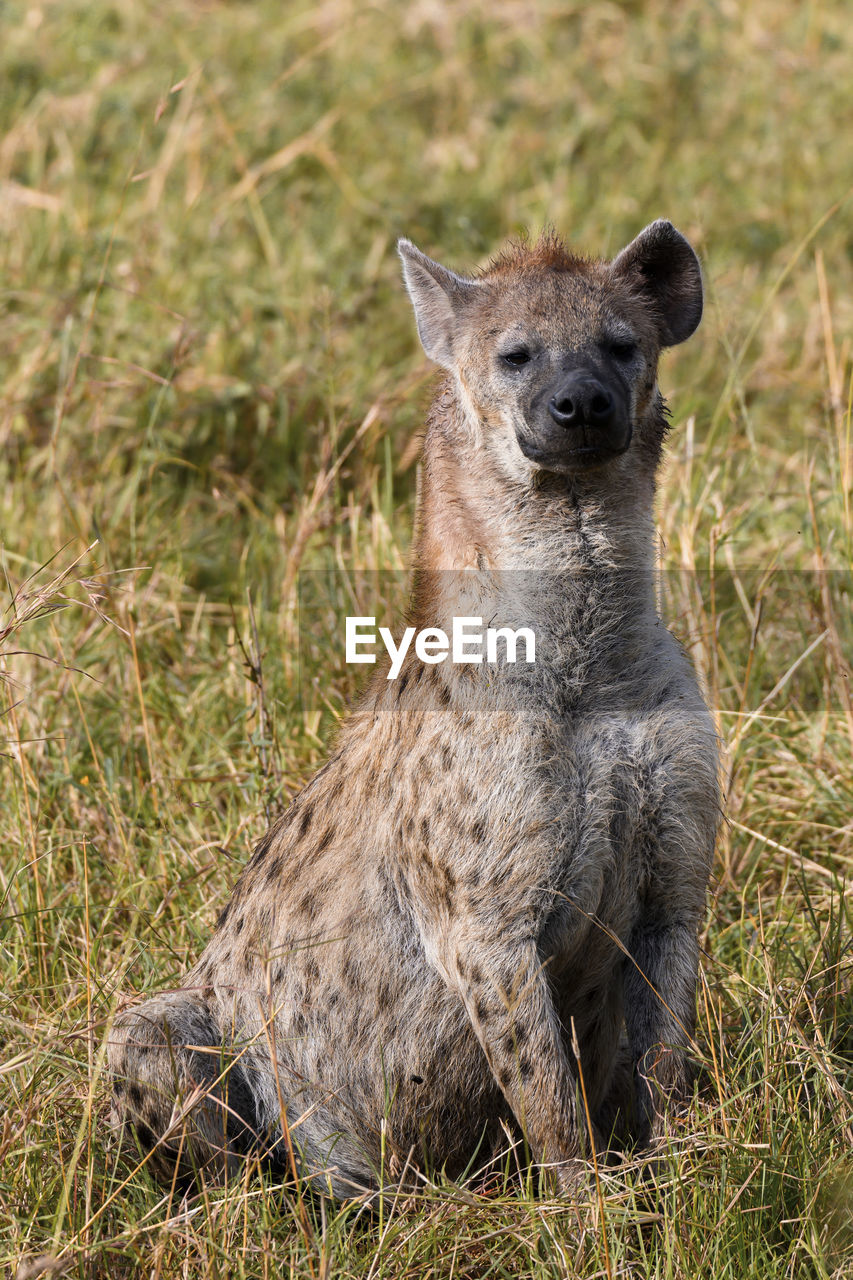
548,253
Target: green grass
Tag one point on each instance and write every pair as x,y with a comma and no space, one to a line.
201,311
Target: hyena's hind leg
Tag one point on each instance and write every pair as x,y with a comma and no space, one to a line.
182,1089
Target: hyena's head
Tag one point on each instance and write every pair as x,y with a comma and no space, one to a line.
554,356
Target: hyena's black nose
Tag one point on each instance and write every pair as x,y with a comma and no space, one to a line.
582,402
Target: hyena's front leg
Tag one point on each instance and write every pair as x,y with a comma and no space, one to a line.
660,1012
661,976
508,1000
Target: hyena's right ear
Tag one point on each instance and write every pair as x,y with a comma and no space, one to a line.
438,296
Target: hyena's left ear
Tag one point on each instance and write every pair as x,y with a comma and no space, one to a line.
661,266
439,297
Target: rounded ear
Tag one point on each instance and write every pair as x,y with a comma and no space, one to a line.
438,296
662,266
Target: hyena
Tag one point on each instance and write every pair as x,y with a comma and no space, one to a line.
480,917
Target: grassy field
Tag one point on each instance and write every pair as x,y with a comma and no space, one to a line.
210,383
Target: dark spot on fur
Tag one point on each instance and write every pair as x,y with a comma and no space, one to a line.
446,757
274,870
308,905
223,915
401,684
305,820
136,1097
238,928
444,695
482,1011
325,839
147,1141
262,848
478,831
417,1079
410,827
425,830
475,974
312,970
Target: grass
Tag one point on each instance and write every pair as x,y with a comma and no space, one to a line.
211,385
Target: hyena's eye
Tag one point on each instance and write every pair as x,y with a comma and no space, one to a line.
517,357
623,350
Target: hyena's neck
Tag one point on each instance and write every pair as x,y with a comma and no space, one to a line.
580,533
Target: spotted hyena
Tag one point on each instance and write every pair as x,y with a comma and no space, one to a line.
490,893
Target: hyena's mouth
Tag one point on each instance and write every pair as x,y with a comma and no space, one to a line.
557,450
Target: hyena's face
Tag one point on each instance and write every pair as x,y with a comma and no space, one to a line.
559,365
556,356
